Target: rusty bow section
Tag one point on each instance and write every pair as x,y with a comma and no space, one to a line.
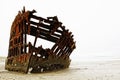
24,56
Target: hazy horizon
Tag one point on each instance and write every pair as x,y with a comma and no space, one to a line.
95,23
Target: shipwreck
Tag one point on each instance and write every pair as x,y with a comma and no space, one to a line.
25,56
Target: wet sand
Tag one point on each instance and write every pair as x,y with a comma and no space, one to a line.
78,70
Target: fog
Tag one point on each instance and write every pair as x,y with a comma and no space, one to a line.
94,23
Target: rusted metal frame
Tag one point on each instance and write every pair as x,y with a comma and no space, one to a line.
19,49
29,47
58,42
14,48
10,49
24,35
54,46
40,18
56,50
68,45
28,25
69,51
20,46
59,31
58,45
49,36
37,34
42,31
41,25
73,47
44,26
39,50
70,48
21,36
52,39
56,35
54,26
66,50
63,51
64,43
44,36
21,40
65,47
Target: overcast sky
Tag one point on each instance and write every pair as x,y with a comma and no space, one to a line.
94,23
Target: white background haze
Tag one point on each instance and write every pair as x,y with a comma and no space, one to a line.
94,23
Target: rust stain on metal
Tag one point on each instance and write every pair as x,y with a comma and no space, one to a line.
25,57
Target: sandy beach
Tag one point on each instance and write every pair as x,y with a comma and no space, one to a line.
78,70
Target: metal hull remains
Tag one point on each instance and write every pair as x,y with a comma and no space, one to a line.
24,56
34,64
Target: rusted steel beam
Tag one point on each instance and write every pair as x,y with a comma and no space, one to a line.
44,26
44,31
41,25
45,36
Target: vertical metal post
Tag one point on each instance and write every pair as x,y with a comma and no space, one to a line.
37,34
24,36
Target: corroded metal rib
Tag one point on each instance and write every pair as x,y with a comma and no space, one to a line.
24,56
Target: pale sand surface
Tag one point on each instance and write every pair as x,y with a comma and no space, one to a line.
79,70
